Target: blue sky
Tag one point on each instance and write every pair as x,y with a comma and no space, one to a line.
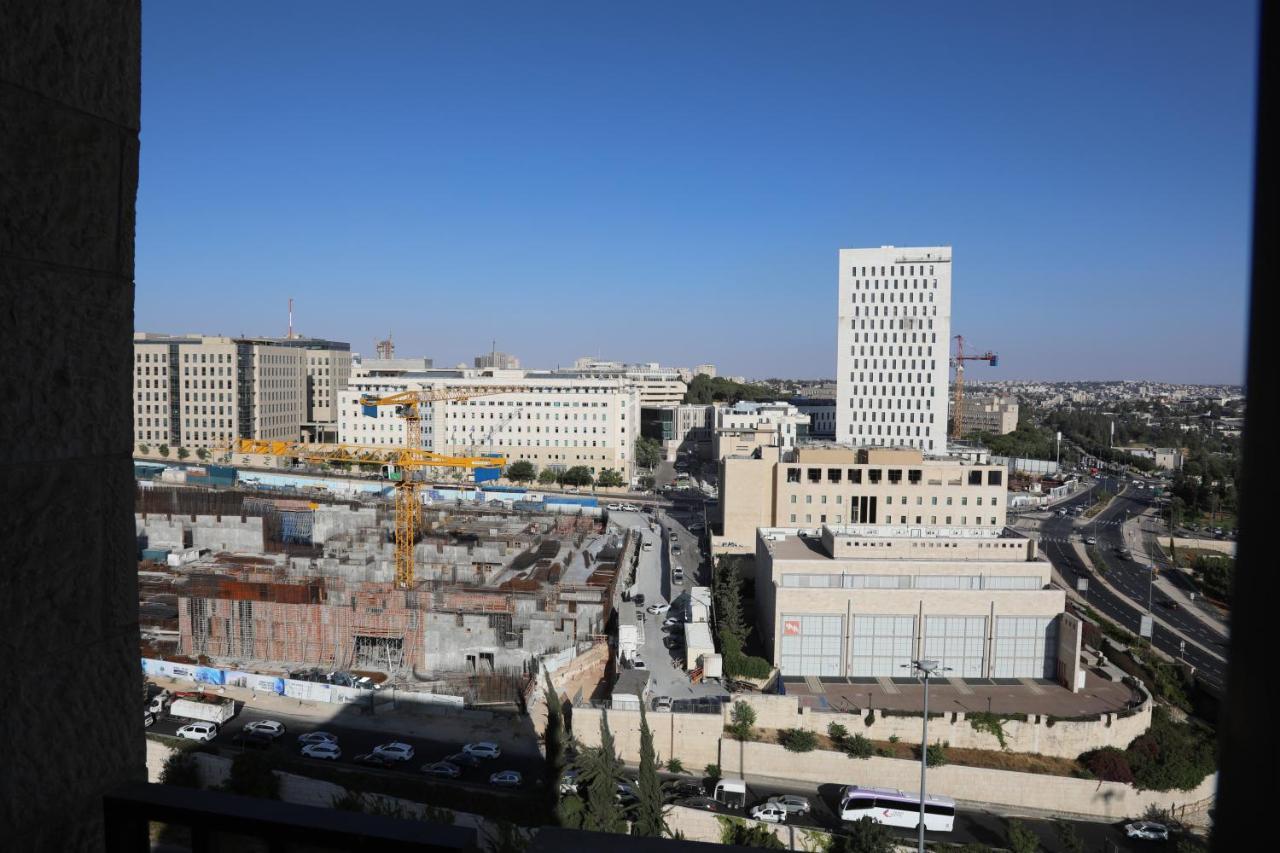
672,182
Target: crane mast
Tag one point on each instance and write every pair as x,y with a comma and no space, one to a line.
957,405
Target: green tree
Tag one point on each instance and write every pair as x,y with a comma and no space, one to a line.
144,448
180,769
859,746
1020,839
555,746
506,837
739,832
649,819
865,836
610,479
546,476
602,772
183,453
743,719
712,772
520,472
253,774
1068,837
648,452
202,453
798,740
578,475
675,765
837,733
164,450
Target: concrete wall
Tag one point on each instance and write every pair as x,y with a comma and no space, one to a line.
1222,547
1009,790
69,95
332,520
228,533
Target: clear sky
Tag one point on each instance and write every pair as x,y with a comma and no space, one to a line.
671,182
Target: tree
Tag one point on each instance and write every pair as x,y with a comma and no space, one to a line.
180,769
520,472
555,745
649,819
865,836
648,452
144,448
1109,764
744,719
164,450
675,765
1020,839
1067,837
739,832
610,479
252,774
578,475
712,772
506,837
202,453
602,772
183,453
798,740
546,476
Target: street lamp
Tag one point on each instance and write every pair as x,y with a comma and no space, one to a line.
927,668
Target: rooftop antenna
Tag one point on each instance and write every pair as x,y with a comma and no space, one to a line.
290,318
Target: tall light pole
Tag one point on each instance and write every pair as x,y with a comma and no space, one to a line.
927,668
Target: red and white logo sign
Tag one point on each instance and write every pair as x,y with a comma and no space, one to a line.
791,627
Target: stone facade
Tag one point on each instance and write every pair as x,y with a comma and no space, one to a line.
69,95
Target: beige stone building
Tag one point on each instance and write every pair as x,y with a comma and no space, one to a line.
559,422
749,429
205,391
990,413
863,601
816,485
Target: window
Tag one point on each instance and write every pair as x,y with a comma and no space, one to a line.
814,474
913,477
995,478
833,475
895,476
975,478
873,475
793,475
855,475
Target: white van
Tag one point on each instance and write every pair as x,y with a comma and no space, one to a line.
647,546
732,792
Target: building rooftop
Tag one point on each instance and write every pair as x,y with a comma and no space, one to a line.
795,543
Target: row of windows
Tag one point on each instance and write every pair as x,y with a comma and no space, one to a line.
894,270
861,581
915,476
933,500
865,297
888,519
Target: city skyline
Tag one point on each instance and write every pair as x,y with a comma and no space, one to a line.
421,172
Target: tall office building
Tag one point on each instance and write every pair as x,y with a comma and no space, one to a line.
893,347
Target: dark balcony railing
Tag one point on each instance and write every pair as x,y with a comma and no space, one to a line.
220,821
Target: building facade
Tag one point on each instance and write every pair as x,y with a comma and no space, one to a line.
893,347
864,601
559,422
990,413
683,428
498,360
657,385
747,428
822,417
205,391
836,485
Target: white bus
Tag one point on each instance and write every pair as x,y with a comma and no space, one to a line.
897,808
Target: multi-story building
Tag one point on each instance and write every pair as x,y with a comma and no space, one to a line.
204,391
561,421
686,427
815,485
707,370
893,347
498,360
989,413
657,385
822,416
863,601
746,428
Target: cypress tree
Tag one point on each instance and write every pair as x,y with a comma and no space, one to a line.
555,746
603,771
648,812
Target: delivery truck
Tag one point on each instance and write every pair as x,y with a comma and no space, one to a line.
203,706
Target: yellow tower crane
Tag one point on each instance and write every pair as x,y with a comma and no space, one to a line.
402,465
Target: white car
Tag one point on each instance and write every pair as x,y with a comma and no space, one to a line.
613,507
658,608
770,813
327,750
506,779
266,728
671,621
637,663
791,803
484,749
1147,830
395,750
317,737
199,731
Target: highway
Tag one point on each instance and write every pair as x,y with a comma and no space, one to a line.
1204,651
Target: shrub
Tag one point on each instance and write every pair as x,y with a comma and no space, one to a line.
858,746
870,719
1021,839
744,719
894,738
798,740
739,832
252,774
712,772
180,769
936,755
675,765
983,721
1171,755
1109,764
837,733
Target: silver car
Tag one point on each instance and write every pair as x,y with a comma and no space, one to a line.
793,804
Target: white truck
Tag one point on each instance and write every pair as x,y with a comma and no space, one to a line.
202,706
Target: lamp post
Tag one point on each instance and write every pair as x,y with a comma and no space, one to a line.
927,668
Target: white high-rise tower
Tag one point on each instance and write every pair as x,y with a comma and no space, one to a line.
893,346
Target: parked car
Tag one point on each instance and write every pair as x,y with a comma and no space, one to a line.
662,703
1090,541
1147,830
769,812
325,750
246,739
270,728
672,621
626,793
483,749
317,737
661,607
396,750
793,803
443,769
638,598
375,759
672,642
569,782
463,759
638,663
683,788
506,779
199,731
704,803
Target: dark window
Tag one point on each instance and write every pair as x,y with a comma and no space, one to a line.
895,475
994,478
857,803
833,475
975,478
793,475
913,476
873,475
815,475
855,475
946,811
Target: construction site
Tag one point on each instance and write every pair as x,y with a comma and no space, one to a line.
277,585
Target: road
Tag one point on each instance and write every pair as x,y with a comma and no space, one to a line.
355,741
1130,578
